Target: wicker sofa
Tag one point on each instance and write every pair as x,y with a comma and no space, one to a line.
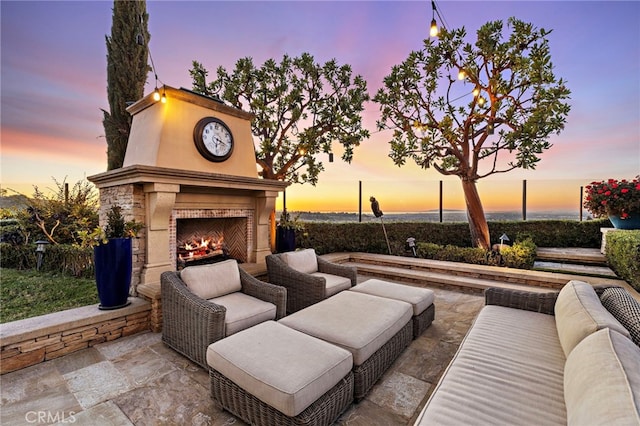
567,357
308,278
203,304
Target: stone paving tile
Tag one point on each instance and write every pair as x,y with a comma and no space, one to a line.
96,383
138,380
103,414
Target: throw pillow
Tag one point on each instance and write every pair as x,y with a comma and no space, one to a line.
579,313
213,280
301,260
602,381
625,308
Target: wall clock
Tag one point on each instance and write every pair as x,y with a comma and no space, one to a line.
213,139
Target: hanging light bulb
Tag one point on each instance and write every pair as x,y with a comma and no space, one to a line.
164,96
481,101
476,91
156,95
462,75
490,128
433,30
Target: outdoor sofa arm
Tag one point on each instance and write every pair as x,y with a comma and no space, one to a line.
327,267
522,299
189,323
302,289
265,291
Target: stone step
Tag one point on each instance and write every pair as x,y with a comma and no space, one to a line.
461,275
437,279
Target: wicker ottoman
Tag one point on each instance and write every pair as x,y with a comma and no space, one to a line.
271,374
420,298
375,330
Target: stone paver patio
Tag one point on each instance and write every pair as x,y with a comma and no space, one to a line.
137,380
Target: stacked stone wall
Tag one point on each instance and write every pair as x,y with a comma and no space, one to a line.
31,345
131,199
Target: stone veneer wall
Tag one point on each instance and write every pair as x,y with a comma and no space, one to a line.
130,198
34,340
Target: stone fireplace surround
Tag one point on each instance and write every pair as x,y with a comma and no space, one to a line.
158,197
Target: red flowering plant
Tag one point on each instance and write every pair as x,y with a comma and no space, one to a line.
613,198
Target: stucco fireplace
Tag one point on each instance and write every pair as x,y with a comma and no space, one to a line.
180,195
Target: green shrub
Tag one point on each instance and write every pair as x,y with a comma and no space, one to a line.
331,237
623,255
521,255
62,258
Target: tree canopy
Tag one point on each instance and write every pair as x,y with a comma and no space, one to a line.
474,110
301,108
127,68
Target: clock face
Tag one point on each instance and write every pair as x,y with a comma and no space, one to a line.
213,139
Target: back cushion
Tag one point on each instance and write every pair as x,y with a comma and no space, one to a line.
301,260
625,308
579,313
214,280
602,381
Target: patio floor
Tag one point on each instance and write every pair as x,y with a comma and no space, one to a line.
137,380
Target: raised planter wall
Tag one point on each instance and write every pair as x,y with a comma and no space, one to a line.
34,340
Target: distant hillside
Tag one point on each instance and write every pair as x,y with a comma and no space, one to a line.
13,201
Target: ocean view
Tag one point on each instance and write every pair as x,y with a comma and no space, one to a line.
431,216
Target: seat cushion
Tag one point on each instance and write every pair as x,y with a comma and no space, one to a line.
334,283
625,309
602,381
301,260
244,311
213,280
280,366
357,322
579,313
420,298
507,371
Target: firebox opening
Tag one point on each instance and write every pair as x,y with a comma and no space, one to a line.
208,240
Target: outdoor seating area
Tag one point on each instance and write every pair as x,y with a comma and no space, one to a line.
509,354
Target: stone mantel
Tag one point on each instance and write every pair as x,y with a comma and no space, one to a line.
149,174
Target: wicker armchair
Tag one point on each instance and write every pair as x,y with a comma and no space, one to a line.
310,283
191,323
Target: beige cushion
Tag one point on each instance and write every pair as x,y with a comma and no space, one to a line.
301,260
507,371
243,311
357,322
214,280
602,381
334,283
579,313
280,366
420,298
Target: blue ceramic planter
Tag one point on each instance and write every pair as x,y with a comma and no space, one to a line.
113,265
285,239
633,222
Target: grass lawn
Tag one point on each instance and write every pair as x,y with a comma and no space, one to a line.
25,294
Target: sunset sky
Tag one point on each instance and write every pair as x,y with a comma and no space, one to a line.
53,86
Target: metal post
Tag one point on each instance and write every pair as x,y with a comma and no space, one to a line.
359,201
581,195
524,199
440,202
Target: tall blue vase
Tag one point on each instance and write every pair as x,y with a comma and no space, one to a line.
632,222
113,265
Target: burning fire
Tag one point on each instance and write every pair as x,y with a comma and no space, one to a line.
206,247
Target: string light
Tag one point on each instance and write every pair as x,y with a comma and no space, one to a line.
156,94
140,40
462,75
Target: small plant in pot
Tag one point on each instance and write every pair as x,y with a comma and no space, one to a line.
112,256
286,232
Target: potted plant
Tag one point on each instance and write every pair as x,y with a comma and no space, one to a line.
286,232
112,256
619,200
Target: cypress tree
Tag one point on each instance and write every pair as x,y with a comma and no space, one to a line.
127,68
